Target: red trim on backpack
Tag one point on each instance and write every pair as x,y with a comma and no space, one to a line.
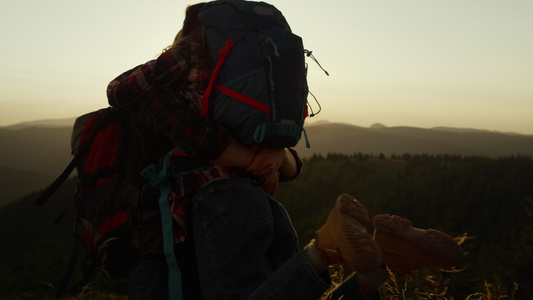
101,154
243,98
183,154
88,129
222,54
110,223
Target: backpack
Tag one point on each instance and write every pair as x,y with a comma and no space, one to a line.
258,89
105,199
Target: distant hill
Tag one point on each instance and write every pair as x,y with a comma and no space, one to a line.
30,159
47,149
463,130
35,149
16,184
53,123
348,139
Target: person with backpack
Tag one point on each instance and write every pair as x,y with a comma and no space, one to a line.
230,237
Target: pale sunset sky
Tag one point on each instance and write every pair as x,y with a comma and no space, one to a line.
421,63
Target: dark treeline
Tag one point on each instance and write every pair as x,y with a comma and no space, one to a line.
489,200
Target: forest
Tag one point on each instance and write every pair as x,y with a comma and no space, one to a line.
487,203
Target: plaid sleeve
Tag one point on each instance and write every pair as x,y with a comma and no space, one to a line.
170,114
171,67
132,85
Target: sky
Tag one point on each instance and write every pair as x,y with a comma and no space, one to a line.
420,63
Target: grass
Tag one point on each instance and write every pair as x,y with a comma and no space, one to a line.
432,284
424,284
94,295
428,284
494,293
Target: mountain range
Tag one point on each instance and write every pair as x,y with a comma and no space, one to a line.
33,153
326,137
53,123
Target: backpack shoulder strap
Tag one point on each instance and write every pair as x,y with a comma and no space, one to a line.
61,178
160,180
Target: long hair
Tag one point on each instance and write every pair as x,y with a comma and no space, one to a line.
193,31
192,26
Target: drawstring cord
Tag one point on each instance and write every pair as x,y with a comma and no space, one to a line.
310,54
311,108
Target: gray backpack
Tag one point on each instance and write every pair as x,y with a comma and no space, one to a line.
258,89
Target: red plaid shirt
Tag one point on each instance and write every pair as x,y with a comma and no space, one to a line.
166,94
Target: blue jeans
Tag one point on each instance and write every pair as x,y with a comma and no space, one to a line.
246,248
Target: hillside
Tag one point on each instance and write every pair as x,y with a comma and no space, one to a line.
36,149
45,149
16,184
348,139
51,123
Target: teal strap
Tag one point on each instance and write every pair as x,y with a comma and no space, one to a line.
174,273
161,181
274,46
307,144
259,133
272,89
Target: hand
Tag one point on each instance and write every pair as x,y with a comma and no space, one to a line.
271,183
267,161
